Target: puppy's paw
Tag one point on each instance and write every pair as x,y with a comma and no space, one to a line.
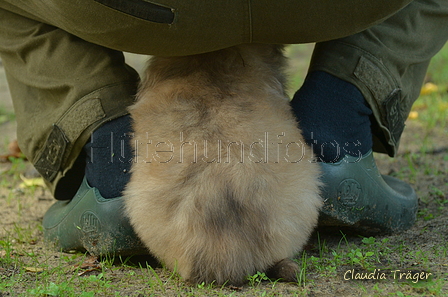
286,270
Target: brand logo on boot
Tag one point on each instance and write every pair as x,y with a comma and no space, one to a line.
90,224
349,191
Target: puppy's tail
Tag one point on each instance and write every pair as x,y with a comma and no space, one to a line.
235,241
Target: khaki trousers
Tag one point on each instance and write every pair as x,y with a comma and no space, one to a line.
67,74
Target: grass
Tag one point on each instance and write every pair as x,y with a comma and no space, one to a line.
29,268
376,259
56,274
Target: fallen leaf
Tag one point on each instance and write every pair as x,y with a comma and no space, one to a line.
429,88
413,115
235,288
33,269
31,182
90,264
13,147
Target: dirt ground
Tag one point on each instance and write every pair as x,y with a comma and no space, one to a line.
425,170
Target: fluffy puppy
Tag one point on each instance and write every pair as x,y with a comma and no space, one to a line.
222,183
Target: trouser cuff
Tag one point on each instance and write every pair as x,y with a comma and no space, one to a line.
377,85
57,160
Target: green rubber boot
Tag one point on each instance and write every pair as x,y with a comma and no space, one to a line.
91,223
357,196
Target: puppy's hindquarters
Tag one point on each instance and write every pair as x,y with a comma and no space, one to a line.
224,188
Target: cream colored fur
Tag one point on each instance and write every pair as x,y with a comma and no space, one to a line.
224,212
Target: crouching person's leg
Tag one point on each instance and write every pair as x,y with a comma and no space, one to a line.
71,99
356,97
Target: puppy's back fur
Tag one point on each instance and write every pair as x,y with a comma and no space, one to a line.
222,185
